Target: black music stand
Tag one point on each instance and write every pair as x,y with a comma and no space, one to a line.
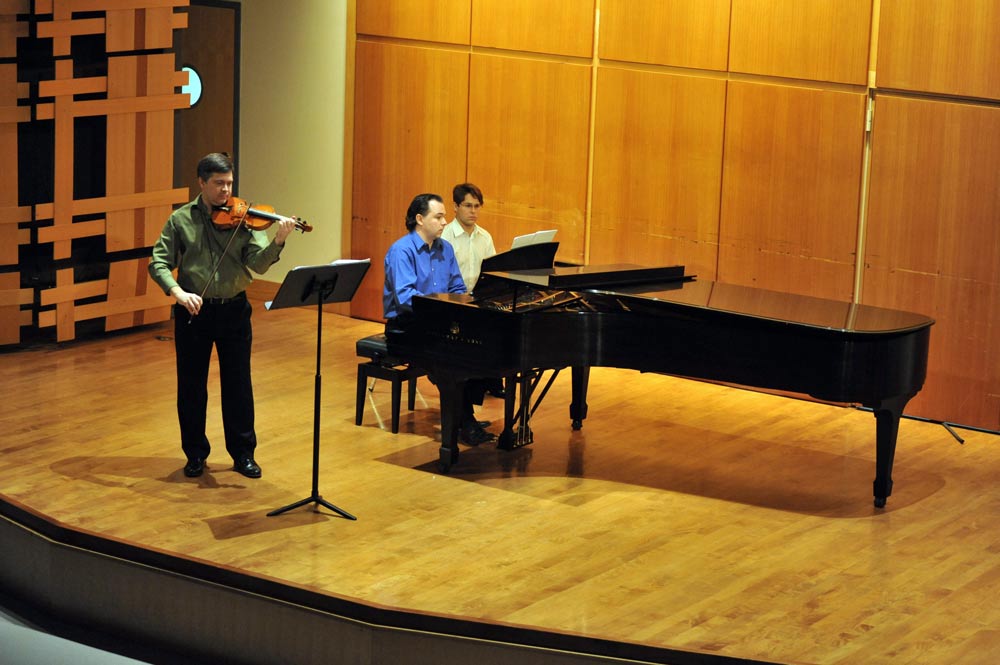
308,285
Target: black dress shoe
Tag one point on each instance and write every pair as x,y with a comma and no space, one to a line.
247,467
473,436
483,424
194,468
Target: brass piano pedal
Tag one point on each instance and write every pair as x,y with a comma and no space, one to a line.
512,441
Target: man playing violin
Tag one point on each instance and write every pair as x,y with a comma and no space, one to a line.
213,267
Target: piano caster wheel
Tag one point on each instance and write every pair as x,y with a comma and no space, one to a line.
577,425
880,502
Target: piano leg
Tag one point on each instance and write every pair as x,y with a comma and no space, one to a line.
887,415
451,389
527,388
506,439
578,407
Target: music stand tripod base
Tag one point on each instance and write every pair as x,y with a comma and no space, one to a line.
312,499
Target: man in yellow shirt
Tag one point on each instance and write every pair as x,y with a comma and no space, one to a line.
471,242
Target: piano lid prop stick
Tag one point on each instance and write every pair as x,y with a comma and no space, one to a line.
954,433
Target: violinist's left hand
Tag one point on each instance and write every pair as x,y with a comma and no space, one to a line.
285,228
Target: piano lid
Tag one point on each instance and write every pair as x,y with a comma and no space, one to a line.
590,277
771,305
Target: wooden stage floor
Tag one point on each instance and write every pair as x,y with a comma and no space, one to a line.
685,518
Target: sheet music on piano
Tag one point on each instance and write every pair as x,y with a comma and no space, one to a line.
533,238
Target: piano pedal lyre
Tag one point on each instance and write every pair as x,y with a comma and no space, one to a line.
521,436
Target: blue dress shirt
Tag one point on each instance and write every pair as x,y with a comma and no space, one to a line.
414,269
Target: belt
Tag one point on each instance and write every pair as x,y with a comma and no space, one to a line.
223,301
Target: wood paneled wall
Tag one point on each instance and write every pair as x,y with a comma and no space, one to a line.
110,79
661,197
769,143
440,21
13,299
951,48
689,33
407,87
818,40
547,132
501,24
934,241
791,182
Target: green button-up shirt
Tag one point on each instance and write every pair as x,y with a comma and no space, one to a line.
191,244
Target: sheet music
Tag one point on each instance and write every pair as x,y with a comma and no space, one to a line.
533,238
336,262
340,262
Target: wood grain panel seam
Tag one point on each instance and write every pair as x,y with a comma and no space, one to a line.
938,97
665,69
733,76
418,43
873,41
866,164
477,50
588,206
935,274
826,86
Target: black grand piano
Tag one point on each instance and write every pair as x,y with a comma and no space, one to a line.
659,320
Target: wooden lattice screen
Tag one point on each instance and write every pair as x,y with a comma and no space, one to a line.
87,115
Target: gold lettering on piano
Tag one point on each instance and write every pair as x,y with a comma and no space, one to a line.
454,335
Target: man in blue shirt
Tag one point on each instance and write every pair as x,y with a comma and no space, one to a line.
421,263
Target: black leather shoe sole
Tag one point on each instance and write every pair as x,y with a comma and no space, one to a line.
194,468
248,468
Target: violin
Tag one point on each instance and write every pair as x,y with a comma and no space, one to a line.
237,212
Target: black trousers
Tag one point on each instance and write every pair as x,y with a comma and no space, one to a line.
227,328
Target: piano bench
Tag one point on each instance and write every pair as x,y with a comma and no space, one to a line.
383,366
